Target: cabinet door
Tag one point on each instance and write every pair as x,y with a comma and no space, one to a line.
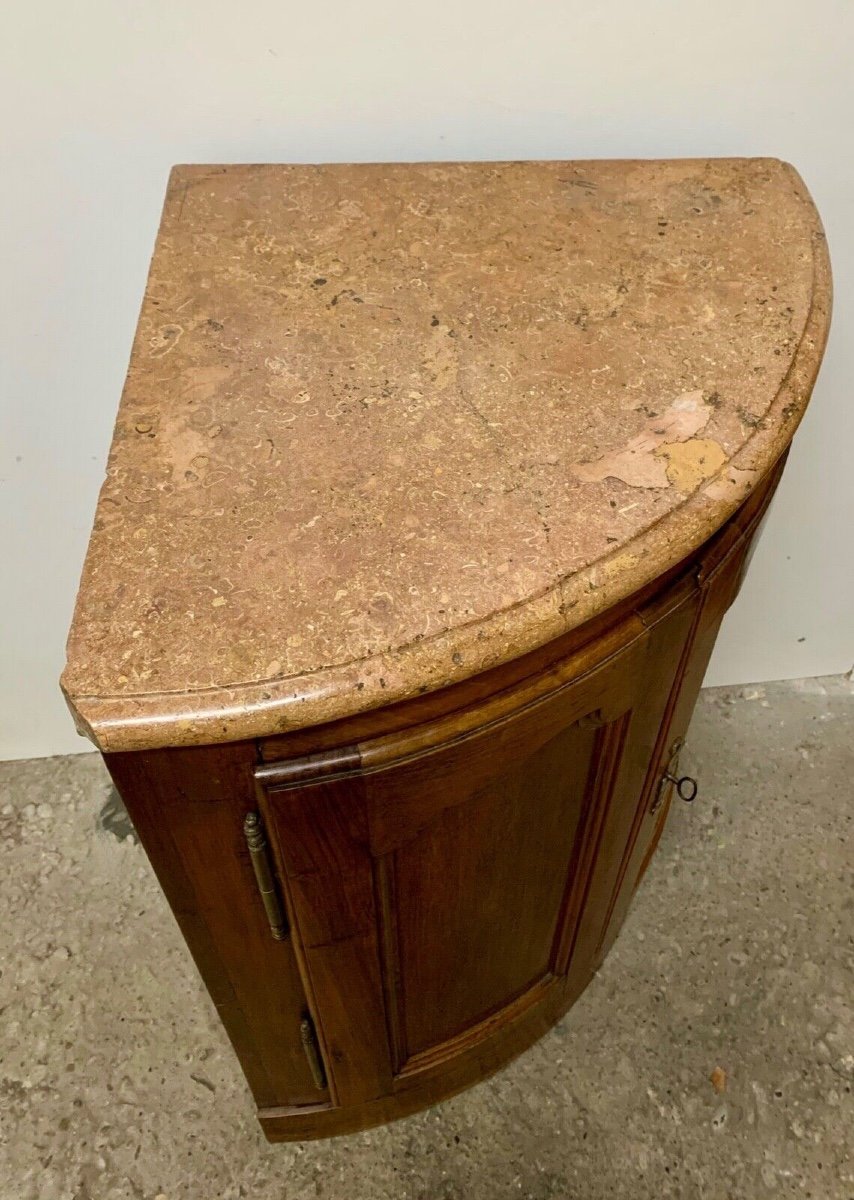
438,878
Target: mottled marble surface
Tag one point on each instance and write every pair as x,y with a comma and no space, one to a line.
386,426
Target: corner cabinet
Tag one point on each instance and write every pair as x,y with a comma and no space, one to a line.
429,488
414,907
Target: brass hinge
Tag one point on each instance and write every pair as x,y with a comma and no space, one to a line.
312,1053
259,852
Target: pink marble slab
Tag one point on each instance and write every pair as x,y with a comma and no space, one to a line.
387,426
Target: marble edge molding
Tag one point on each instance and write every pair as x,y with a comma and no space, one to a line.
257,709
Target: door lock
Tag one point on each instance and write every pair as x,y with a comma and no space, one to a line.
686,786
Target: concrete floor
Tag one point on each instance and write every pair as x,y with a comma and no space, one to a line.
116,1080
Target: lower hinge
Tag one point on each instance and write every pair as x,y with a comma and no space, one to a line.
312,1052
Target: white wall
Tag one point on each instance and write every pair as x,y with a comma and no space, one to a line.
99,97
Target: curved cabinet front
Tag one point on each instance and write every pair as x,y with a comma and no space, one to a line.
441,880
444,886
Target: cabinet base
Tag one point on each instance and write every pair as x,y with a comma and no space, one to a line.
307,1123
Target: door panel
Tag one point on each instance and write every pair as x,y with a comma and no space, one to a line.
480,890
438,881
320,834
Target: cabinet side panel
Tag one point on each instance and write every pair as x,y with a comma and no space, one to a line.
626,825
188,808
719,572
718,592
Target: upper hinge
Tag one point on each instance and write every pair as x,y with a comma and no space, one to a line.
259,853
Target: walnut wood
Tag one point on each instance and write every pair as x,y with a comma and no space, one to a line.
454,868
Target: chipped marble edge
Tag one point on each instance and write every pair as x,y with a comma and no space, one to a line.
265,708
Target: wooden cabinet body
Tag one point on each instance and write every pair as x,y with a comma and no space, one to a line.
429,488
452,870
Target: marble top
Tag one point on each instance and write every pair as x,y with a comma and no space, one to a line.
387,426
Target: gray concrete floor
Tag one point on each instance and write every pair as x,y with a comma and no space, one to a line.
116,1080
